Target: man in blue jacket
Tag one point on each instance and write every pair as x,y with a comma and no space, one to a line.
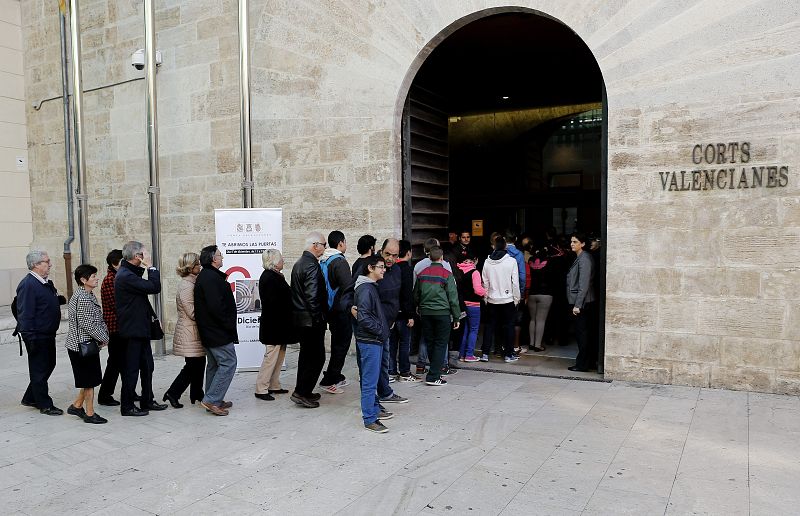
511,249
38,317
134,317
372,332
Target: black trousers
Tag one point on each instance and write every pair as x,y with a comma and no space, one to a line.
502,316
116,356
585,335
341,336
191,376
41,362
311,358
138,363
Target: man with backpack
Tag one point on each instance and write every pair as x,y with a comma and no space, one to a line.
336,272
38,316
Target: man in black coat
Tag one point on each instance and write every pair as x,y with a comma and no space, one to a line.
38,317
215,314
134,317
310,308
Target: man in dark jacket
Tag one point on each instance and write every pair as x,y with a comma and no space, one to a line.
38,317
371,332
134,317
390,288
400,337
215,314
337,279
310,308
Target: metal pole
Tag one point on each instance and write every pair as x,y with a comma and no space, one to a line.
77,117
244,103
152,149
67,155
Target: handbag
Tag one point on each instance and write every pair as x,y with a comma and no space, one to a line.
156,332
88,348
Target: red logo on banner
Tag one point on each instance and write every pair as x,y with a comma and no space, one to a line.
230,272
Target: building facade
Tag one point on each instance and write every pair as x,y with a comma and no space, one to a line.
15,199
701,150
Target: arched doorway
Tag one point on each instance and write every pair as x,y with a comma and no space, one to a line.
504,126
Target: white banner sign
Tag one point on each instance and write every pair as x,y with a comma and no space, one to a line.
242,235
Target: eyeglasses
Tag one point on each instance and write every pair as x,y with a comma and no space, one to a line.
380,266
319,243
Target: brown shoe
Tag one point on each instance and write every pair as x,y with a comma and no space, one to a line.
226,404
214,409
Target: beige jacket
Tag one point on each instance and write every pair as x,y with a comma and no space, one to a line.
186,342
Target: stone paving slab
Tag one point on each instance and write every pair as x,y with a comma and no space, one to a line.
488,443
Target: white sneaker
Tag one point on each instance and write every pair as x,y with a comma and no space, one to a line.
392,378
343,383
484,358
437,383
333,389
410,378
511,359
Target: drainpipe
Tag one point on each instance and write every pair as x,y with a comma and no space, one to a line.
244,103
152,150
77,117
67,155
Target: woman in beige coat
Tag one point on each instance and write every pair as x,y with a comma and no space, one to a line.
186,342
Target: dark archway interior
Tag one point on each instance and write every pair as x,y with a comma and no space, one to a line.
504,124
522,96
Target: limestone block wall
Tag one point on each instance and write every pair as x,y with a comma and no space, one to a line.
15,197
700,282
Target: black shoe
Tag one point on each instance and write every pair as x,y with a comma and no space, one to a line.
172,400
134,412
265,397
136,397
278,391
575,368
153,405
51,411
303,401
196,398
314,396
108,402
72,409
95,419
31,404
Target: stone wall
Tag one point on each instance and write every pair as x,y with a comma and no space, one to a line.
699,283
15,198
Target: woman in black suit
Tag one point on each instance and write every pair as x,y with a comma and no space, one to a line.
276,330
580,295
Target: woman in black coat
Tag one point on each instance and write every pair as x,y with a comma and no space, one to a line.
276,328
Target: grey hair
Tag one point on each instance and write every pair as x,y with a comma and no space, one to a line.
270,258
35,257
314,236
131,249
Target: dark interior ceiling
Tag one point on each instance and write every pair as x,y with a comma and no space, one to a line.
533,60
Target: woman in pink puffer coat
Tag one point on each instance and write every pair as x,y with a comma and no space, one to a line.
186,341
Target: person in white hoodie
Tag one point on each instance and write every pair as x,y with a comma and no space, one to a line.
501,279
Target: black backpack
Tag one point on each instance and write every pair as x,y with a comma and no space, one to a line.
14,312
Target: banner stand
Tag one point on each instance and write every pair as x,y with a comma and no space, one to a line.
242,235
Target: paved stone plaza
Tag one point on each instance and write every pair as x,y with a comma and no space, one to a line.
488,443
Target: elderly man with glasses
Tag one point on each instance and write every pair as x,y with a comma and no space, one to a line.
309,313
38,317
134,317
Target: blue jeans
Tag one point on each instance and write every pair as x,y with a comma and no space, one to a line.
400,342
369,362
422,356
219,372
472,324
384,390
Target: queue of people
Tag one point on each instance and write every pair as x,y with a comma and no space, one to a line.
378,301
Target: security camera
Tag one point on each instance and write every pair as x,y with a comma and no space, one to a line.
137,59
